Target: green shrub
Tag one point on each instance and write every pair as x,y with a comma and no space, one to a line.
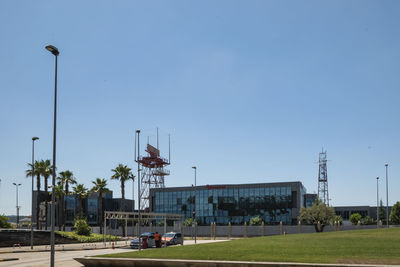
188,222
394,216
4,222
256,220
82,227
367,221
87,239
338,219
318,214
354,218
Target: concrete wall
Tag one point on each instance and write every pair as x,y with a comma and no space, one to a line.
236,230
132,231
9,238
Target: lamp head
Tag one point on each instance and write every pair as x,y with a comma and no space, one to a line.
386,164
35,138
14,184
194,167
138,131
377,178
53,50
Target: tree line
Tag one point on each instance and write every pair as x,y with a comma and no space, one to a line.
43,169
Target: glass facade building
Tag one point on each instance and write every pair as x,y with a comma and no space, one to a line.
309,199
91,207
274,202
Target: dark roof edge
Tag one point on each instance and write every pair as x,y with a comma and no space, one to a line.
228,185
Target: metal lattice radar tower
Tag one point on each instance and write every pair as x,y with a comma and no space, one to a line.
153,174
323,194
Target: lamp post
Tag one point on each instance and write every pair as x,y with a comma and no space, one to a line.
194,204
387,197
55,52
33,174
16,188
138,173
377,202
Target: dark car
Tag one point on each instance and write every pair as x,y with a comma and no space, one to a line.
135,243
172,238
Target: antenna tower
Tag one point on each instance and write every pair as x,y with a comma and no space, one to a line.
153,173
323,178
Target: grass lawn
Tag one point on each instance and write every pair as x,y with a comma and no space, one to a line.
380,246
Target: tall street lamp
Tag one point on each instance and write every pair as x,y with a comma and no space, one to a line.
55,52
387,197
194,204
33,174
138,173
16,187
377,202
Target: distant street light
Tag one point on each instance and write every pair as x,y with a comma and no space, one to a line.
33,174
138,173
387,197
55,52
377,202
194,204
16,187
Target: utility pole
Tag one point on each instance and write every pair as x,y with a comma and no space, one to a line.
138,171
16,188
33,174
55,52
377,202
387,197
194,204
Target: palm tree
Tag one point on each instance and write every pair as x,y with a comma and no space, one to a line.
100,186
81,191
59,191
38,170
66,178
123,174
46,171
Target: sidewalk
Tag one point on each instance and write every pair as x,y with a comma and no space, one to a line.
66,247
99,261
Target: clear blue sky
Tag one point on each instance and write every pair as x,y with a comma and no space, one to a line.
249,90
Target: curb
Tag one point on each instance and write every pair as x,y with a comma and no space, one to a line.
9,259
141,262
64,249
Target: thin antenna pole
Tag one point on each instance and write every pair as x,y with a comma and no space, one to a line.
157,138
147,139
133,184
135,147
169,148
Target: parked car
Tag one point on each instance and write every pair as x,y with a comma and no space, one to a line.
172,238
135,243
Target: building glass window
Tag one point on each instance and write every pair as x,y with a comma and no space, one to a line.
92,210
232,203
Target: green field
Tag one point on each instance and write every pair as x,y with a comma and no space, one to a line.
380,246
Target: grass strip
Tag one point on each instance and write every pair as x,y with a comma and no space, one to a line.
376,246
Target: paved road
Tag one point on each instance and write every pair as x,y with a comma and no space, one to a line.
62,258
67,247
65,258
